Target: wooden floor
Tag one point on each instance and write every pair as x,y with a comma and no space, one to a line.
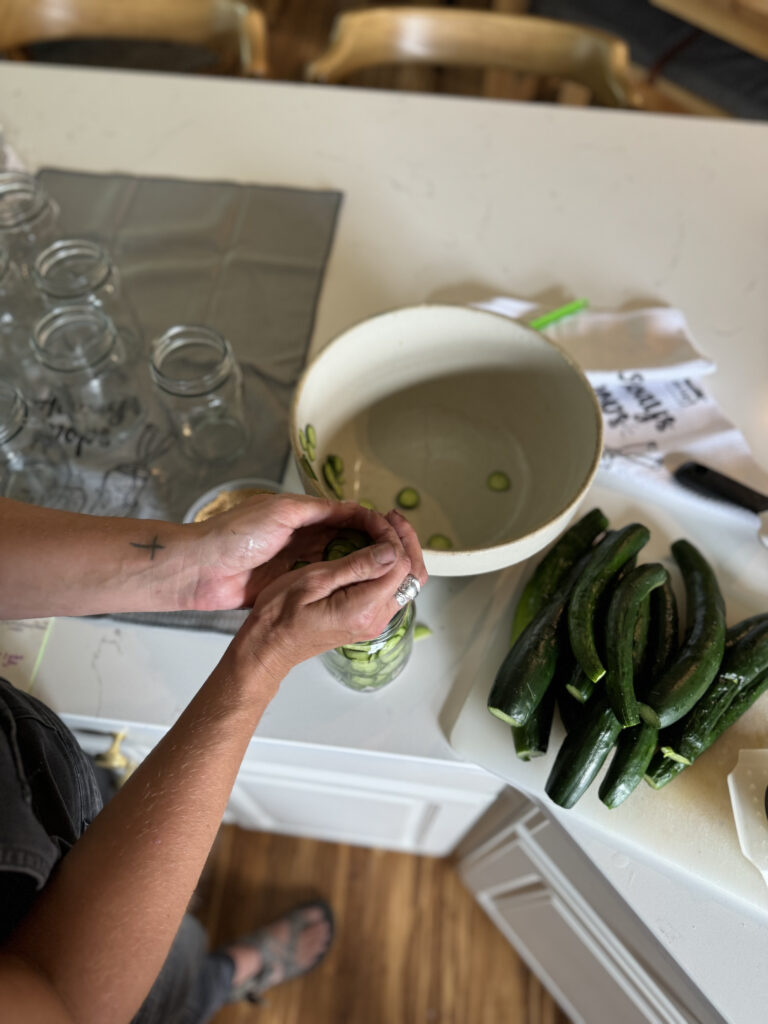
412,946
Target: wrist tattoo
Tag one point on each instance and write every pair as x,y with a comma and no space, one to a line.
152,547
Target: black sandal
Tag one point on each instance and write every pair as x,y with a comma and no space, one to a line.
278,958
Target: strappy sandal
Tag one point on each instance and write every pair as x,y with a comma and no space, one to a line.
279,962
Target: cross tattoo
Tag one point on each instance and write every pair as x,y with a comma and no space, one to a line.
153,547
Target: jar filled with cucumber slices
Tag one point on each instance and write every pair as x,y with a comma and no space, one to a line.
371,664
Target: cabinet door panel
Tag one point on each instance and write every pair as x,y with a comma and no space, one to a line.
507,867
323,810
565,957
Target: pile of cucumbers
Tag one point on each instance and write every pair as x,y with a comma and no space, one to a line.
598,636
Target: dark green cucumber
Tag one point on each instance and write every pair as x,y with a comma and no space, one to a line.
528,668
696,663
640,633
571,710
740,629
741,703
605,561
663,634
742,664
662,769
635,748
624,647
580,686
583,752
532,739
574,543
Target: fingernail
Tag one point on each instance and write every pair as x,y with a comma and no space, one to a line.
383,553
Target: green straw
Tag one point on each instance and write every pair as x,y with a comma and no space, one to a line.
540,322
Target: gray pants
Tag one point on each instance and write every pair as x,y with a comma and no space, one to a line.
48,797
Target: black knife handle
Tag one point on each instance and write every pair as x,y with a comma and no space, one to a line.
709,482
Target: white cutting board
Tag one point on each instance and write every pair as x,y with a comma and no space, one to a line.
688,826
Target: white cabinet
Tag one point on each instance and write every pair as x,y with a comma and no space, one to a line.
392,802
572,928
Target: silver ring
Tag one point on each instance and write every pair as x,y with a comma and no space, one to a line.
407,591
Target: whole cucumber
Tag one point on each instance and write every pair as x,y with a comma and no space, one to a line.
582,753
574,543
698,660
605,560
628,599
528,668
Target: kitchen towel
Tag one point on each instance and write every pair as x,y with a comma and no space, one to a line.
649,378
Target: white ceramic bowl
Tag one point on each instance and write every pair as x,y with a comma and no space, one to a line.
438,398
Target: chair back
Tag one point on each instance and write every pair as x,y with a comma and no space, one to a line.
529,44
214,23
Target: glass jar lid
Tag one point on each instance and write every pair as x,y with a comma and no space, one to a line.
13,411
73,338
190,360
22,200
72,268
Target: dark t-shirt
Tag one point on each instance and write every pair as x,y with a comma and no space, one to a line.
48,797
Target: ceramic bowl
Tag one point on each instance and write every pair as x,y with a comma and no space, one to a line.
489,426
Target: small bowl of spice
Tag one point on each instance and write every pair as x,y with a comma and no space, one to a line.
225,496
482,431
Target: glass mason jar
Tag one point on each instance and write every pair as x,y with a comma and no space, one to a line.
201,386
28,217
85,362
17,312
371,664
33,466
76,272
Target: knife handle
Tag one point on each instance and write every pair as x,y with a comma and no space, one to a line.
712,484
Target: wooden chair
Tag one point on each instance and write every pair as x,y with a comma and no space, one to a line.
221,25
380,36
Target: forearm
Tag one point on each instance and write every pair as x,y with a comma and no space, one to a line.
62,563
102,928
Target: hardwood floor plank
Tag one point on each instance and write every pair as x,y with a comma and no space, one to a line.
412,946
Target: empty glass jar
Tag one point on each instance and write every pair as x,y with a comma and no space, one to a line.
85,362
33,466
76,271
16,313
200,384
28,217
371,664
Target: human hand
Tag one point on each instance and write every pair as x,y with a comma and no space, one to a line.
239,552
328,604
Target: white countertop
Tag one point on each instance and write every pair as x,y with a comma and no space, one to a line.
444,199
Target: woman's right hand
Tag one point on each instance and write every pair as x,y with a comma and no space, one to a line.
327,604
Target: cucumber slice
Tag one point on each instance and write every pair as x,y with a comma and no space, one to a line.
311,435
330,478
337,465
439,542
498,481
408,497
420,631
364,503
